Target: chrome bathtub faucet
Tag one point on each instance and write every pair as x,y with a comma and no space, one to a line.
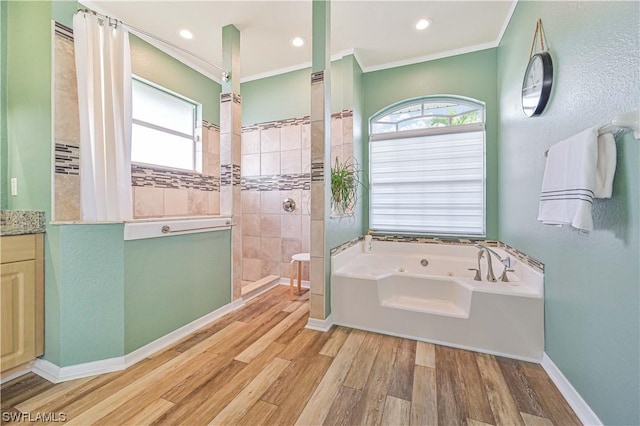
506,262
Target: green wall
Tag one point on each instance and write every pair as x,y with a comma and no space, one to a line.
350,95
94,302
28,89
472,75
106,297
592,320
288,95
172,281
158,67
91,294
4,145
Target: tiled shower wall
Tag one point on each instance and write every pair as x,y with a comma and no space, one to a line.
156,191
276,166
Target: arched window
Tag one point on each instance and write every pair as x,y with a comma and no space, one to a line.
426,167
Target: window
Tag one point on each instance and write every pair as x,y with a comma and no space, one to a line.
164,130
426,167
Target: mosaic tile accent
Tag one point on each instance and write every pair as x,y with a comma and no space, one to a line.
434,240
237,98
67,159
287,182
317,77
19,222
225,174
292,121
236,175
63,31
230,175
534,263
342,247
210,126
157,177
317,171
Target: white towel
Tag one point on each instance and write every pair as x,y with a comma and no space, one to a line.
569,181
606,166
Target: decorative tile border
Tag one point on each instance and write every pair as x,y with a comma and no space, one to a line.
17,222
435,240
210,126
317,171
226,172
292,121
317,77
286,182
230,175
342,247
63,31
145,175
534,263
67,158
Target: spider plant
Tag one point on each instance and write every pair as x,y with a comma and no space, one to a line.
345,179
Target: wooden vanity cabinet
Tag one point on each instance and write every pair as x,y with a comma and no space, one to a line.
21,299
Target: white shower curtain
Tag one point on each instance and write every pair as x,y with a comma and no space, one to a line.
103,67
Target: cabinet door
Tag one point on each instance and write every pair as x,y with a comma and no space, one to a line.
17,313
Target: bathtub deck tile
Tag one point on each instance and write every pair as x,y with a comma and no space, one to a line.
290,374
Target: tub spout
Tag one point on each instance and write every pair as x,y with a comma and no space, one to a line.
490,276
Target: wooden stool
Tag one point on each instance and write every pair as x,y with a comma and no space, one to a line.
297,258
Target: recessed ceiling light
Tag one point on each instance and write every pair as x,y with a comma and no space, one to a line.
423,24
297,41
186,34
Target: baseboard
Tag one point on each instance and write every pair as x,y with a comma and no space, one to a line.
286,281
56,374
171,338
575,401
320,325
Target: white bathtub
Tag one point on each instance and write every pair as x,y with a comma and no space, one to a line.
389,291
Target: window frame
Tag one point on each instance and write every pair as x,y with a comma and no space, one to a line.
195,137
426,132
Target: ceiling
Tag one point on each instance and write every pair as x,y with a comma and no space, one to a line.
380,33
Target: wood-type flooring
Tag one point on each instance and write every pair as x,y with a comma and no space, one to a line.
259,365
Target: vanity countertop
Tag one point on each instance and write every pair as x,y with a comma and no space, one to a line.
20,222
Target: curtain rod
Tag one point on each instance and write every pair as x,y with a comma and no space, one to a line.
225,74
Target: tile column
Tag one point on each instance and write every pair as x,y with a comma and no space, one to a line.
320,145
230,148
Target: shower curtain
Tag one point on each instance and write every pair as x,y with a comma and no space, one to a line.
103,67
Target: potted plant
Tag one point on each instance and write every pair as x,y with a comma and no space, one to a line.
345,179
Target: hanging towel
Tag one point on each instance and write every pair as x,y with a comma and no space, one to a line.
569,181
606,166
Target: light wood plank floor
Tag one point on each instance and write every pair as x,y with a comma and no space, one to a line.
260,366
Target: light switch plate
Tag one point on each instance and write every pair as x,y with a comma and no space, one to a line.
14,186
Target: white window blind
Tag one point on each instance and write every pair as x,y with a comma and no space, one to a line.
430,184
164,128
